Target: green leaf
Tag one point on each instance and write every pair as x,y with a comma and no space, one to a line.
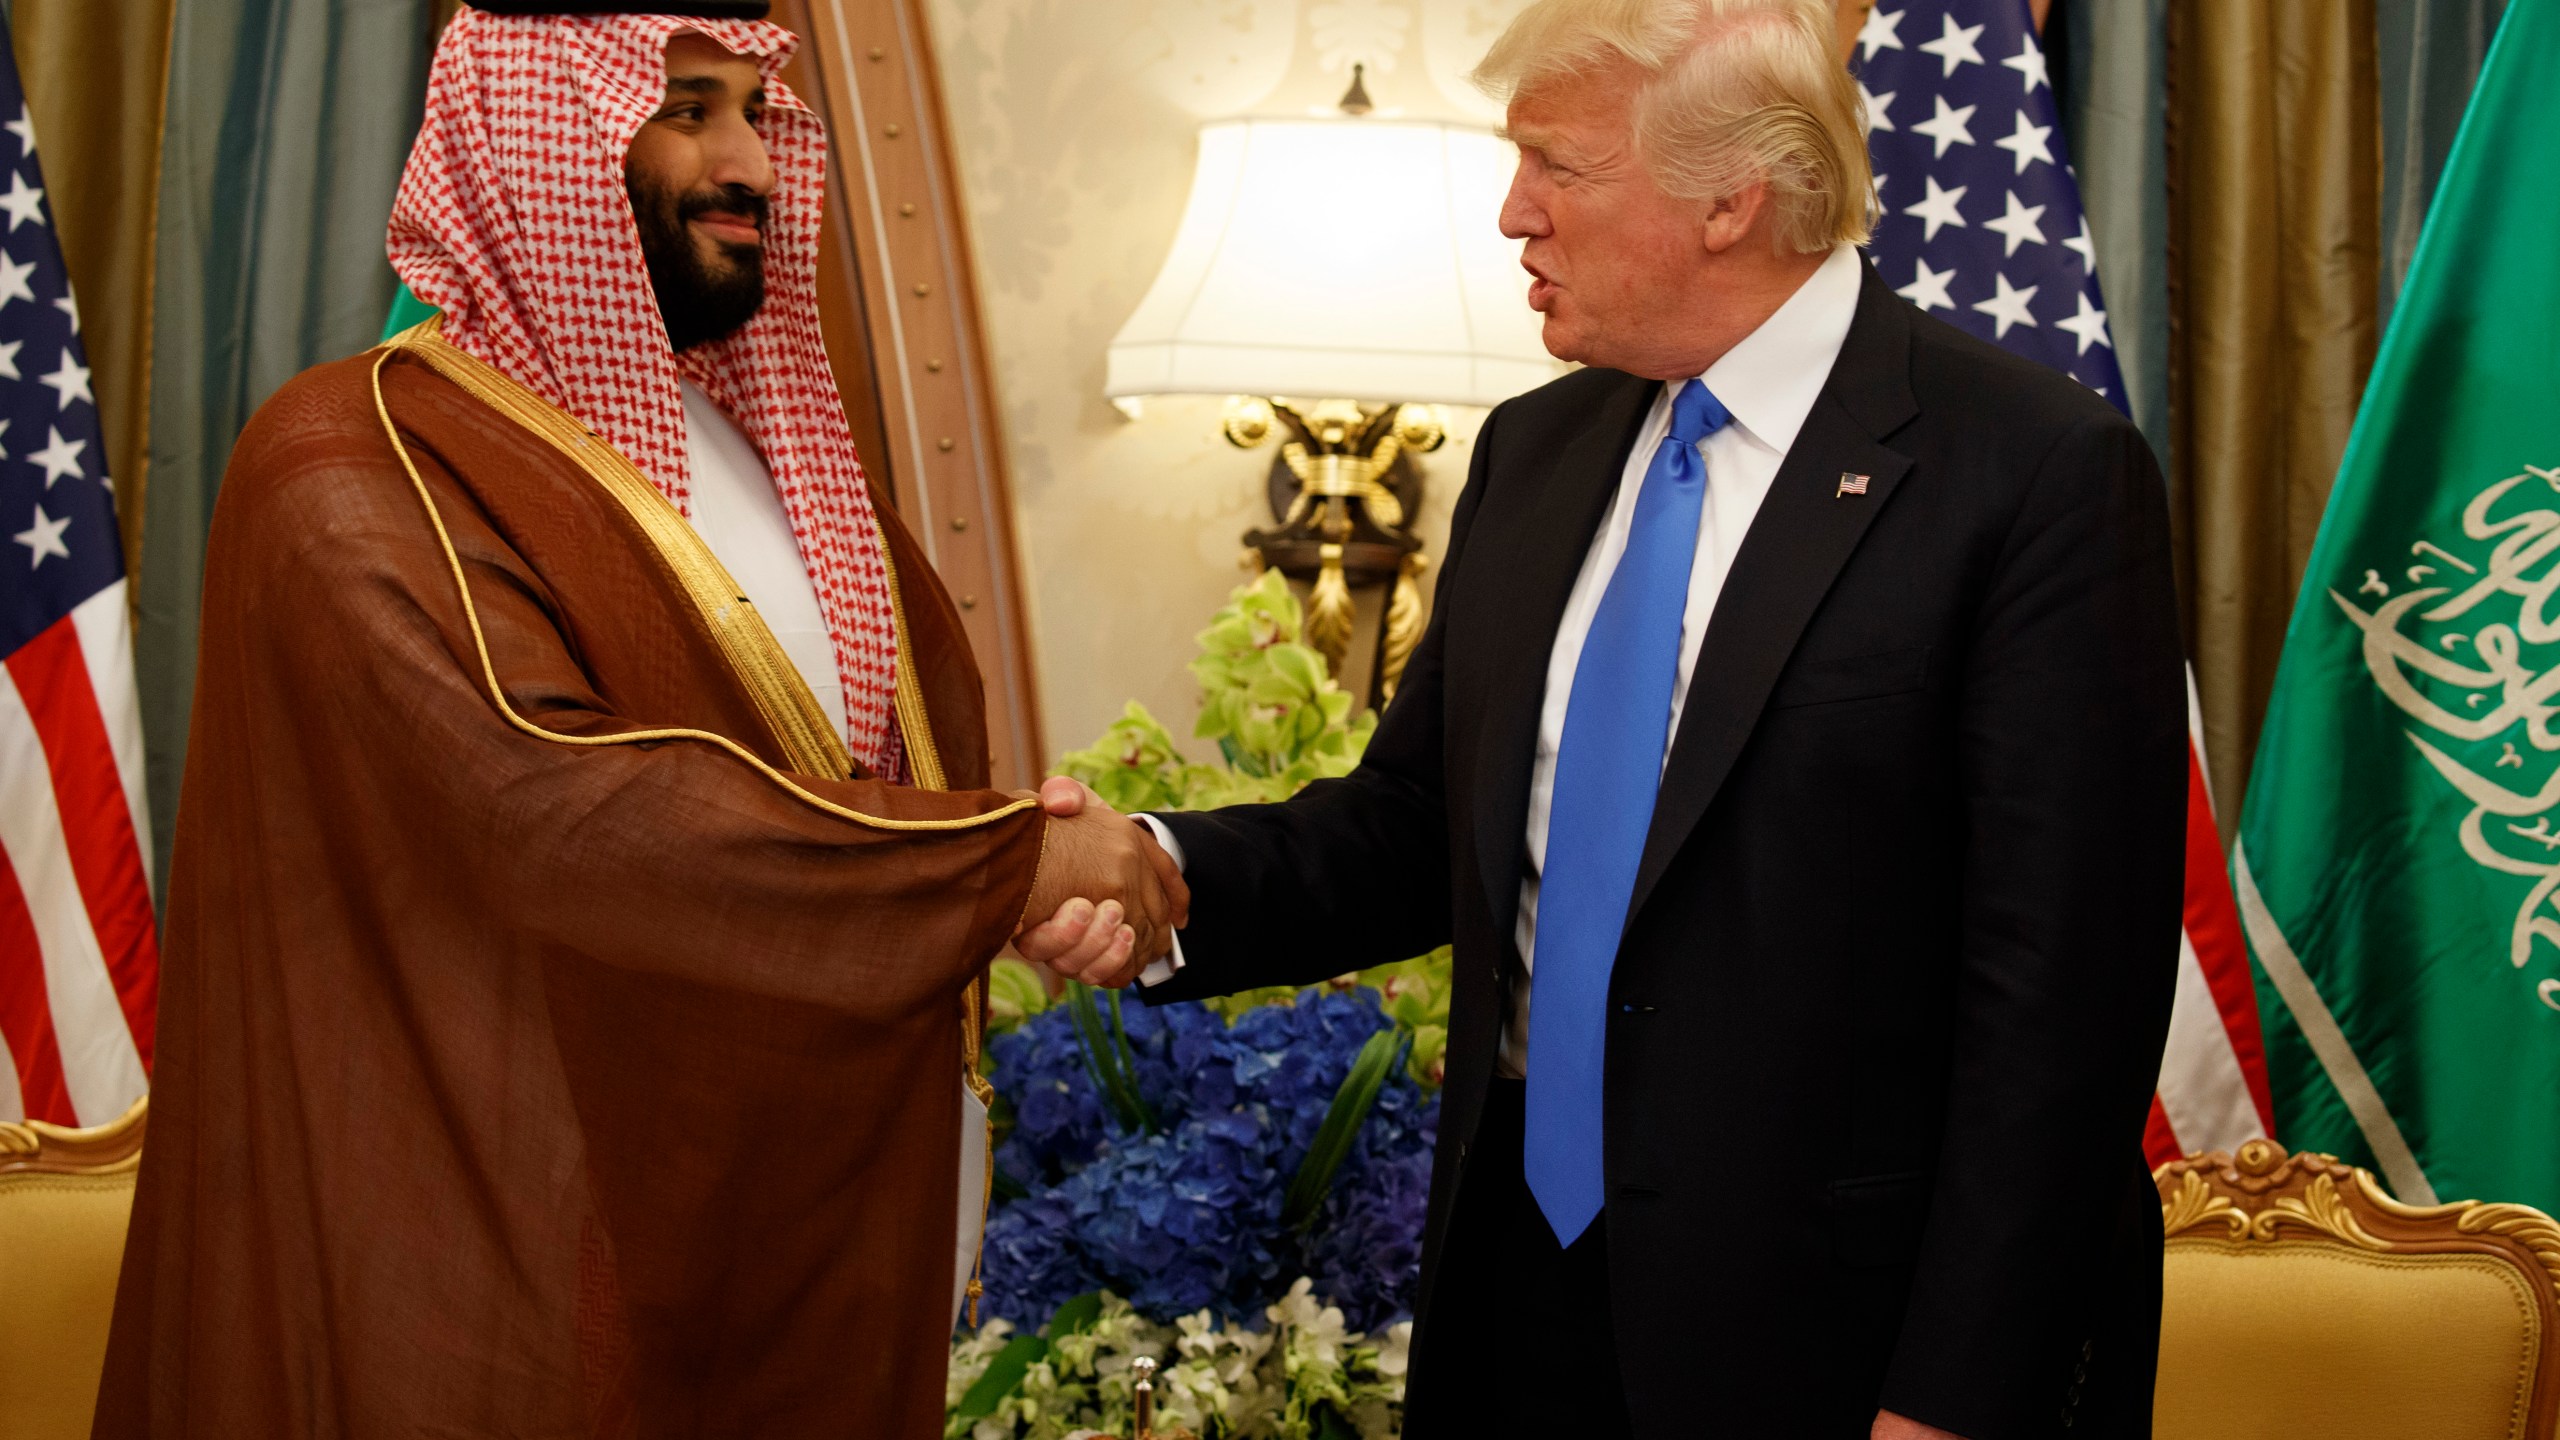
1004,1373
1352,1102
1089,1045
1074,1317
1108,1061
1329,1424
1122,1055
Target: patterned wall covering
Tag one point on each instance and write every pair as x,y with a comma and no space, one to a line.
1073,123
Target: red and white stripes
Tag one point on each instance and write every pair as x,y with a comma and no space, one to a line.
79,964
2213,1077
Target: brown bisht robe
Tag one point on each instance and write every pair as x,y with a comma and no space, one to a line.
579,1063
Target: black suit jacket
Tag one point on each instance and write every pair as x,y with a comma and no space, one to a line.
1892,994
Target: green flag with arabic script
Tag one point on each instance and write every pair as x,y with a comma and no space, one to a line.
2400,847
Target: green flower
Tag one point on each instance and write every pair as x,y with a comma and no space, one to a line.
1014,994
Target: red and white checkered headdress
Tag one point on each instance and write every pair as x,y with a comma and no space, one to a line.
513,219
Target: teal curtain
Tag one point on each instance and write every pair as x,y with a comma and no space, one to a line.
2431,52
288,121
2109,60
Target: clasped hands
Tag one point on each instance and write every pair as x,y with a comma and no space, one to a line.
1107,899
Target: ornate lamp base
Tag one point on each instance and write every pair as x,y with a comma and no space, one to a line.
1344,490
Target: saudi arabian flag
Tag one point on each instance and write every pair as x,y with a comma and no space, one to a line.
2400,848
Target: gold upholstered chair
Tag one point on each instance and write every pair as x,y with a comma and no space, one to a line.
2301,1300
65,1196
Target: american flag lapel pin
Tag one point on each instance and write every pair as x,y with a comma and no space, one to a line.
1850,485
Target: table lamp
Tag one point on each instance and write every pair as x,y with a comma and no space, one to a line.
1341,278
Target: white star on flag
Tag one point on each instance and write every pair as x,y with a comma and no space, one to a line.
1947,127
1939,209
45,538
1878,33
2081,242
2008,307
1877,106
24,127
2089,326
2027,142
13,281
71,307
4,429
2029,63
1928,288
9,359
2019,225
1954,44
59,457
69,381
23,202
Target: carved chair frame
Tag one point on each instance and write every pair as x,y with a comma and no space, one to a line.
2259,1194
33,1147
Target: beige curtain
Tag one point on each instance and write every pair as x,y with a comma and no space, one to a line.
2275,204
96,75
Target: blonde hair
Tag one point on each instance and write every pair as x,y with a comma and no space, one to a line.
1733,91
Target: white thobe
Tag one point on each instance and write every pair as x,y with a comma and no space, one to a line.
739,514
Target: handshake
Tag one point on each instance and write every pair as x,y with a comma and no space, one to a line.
1107,898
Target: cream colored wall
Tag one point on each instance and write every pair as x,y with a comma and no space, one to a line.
1073,121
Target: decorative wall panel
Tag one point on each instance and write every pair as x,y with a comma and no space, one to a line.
899,296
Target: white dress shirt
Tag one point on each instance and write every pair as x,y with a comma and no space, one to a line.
1767,384
738,513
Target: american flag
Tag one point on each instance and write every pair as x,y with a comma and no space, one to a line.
79,964
1980,225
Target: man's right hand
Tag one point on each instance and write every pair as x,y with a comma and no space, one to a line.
1107,901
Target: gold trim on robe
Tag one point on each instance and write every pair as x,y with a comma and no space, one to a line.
780,692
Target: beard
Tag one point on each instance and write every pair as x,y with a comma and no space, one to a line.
701,299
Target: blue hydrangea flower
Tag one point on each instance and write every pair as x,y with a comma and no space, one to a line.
1364,1250
1033,1260
1188,1218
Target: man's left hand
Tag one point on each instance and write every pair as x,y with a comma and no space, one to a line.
1890,1426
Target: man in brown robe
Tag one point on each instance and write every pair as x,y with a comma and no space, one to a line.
566,1005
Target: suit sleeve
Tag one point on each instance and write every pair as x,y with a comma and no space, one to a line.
1348,873
2072,753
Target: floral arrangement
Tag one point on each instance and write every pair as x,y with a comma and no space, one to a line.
1235,1188
1305,1376
1267,699
1194,1198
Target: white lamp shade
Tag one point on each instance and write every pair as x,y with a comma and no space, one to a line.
1351,259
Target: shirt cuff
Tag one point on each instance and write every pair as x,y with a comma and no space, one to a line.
1162,970
1164,837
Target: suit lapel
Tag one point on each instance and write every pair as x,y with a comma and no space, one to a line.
1803,535
1543,553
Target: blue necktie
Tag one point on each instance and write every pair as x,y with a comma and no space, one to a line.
1609,767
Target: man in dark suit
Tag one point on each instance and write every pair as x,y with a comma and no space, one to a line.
1796,760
